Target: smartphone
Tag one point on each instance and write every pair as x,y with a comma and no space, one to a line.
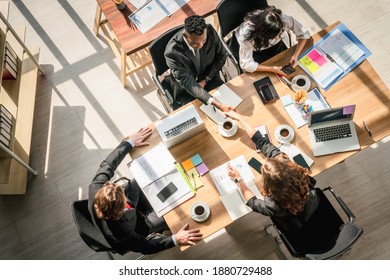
166,192
299,159
288,69
266,92
255,164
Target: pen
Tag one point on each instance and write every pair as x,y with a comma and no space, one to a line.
366,127
327,55
214,109
193,178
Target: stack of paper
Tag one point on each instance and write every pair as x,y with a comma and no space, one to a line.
231,196
153,171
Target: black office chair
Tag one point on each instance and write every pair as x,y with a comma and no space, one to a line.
231,14
324,236
87,230
157,49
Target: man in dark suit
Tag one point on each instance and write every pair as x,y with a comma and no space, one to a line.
125,217
195,56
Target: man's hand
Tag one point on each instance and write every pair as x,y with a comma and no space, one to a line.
187,237
139,137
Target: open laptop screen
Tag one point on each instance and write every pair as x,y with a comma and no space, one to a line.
329,115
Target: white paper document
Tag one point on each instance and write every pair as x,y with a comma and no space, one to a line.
152,165
221,178
341,49
151,12
153,171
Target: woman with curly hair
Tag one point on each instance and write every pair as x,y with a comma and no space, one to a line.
288,195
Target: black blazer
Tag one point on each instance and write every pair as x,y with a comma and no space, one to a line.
181,60
282,217
129,232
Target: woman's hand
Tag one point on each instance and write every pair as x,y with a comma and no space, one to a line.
232,172
233,115
294,61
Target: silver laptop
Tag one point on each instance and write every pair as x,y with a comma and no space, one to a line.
180,125
333,130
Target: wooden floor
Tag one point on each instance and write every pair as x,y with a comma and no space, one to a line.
82,112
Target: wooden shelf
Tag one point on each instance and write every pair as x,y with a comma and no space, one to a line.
18,96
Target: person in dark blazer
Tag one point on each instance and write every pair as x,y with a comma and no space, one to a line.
124,216
288,194
195,56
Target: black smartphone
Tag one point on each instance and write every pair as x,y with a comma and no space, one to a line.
166,192
299,159
288,69
266,91
255,164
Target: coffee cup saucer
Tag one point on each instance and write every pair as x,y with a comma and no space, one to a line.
282,139
204,216
224,133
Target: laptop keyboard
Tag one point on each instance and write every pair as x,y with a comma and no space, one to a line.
332,132
187,125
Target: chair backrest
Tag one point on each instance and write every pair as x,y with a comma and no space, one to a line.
325,235
88,232
231,13
157,49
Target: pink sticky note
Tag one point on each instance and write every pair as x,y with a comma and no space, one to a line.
316,57
349,110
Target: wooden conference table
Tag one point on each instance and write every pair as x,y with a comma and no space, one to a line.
362,87
131,40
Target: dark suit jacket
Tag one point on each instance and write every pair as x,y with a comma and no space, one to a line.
128,233
181,60
282,217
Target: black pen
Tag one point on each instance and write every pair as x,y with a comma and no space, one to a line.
366,127
327,55
215,110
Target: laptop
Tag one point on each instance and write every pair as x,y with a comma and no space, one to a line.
180,126
333,130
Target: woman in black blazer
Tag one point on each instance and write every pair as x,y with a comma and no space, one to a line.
288,194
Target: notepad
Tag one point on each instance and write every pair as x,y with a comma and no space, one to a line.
223,95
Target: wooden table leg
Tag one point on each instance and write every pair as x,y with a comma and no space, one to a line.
98,17
123,68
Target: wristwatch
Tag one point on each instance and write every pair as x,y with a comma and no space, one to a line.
238,179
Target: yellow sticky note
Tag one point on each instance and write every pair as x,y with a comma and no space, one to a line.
309,64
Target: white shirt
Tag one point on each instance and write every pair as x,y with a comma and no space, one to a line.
247,62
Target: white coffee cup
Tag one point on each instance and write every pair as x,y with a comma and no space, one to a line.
200,211
284,133
228,127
